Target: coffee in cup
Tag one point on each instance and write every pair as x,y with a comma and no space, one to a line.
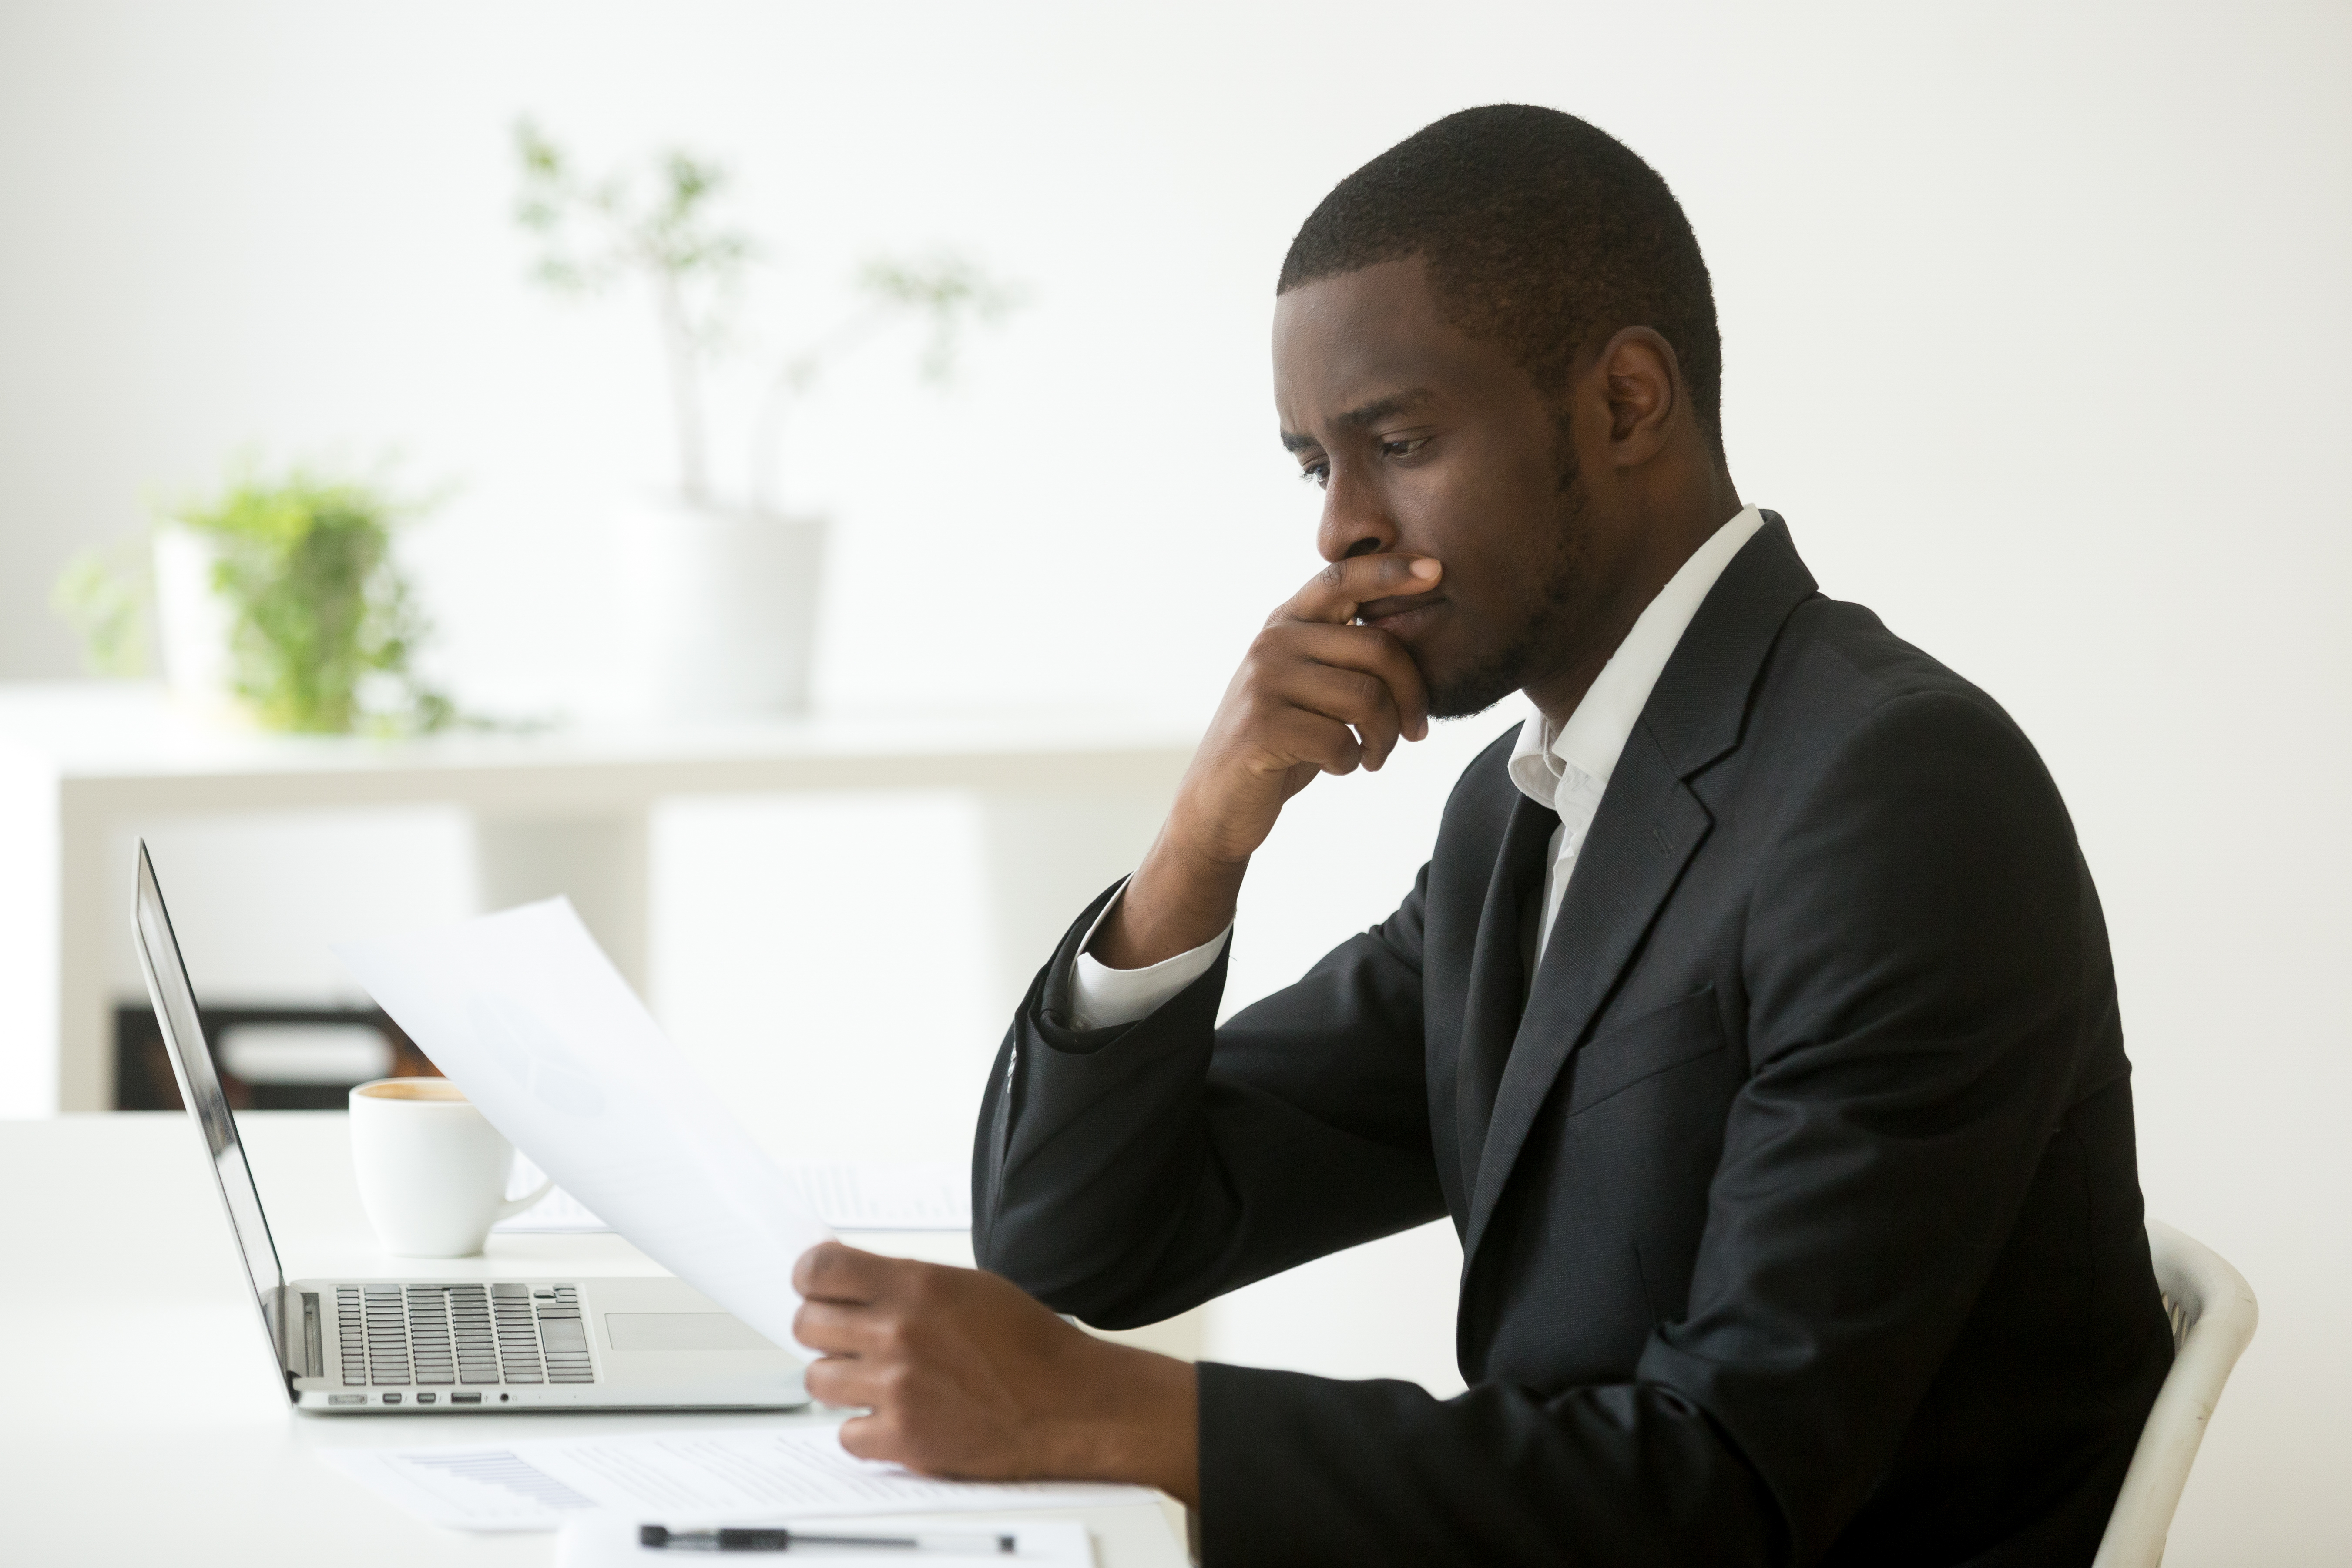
432,1170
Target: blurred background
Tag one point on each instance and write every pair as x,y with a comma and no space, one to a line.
2034,319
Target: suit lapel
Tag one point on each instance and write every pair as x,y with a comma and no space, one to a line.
1490,1017
1649,826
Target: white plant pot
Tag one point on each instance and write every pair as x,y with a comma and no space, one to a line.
717,610
194,623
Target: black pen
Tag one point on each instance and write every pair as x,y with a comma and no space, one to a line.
662,1538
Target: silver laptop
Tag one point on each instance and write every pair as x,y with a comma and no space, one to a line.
426,1345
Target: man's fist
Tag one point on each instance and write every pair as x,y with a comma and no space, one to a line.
1315,693
965,1375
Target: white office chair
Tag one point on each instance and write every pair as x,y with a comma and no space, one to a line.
2213,1316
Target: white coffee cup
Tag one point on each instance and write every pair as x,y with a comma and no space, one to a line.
433,1171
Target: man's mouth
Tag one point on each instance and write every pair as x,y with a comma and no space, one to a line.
1401,615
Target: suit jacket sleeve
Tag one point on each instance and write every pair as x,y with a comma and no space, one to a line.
1125,1174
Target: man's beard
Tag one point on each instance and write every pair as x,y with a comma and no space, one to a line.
1479,687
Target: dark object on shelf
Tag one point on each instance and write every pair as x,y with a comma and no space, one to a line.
270,1058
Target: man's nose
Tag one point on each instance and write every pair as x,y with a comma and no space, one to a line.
1355,520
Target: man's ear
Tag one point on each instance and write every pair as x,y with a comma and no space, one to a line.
1642,382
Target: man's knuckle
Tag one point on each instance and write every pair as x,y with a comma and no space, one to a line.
831,1265
869,1437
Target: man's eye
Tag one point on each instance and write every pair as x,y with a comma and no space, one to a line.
1317,474
1404,449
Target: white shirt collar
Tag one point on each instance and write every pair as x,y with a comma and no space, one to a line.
1549,768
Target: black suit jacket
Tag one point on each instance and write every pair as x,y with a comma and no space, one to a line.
1799,1211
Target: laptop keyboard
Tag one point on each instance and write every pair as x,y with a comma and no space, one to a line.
425,1336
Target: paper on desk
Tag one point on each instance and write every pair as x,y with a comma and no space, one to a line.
524,1013
610,1541
723,1474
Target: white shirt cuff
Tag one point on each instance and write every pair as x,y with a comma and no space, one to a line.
1102,997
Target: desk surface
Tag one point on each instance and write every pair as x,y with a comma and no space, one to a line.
140,1395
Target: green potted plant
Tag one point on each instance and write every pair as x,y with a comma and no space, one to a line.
717,592
279,599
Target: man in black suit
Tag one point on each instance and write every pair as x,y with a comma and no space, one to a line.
1752,1019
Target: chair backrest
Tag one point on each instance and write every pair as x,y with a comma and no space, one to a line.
2213,1317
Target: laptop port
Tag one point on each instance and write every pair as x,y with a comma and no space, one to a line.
465,1399
347,1399
392,1399
426,1398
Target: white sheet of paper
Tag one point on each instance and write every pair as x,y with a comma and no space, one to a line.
523,1011
930,1195
610,1541
707,1476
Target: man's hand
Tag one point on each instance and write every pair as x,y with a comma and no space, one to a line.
1315,693
968,1376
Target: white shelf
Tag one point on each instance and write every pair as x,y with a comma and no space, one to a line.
557,810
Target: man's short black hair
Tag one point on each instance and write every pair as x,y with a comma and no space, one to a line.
1540,231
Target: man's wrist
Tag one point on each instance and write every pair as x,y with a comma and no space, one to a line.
1138,1423
1177,899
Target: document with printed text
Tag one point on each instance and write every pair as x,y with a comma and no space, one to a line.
714,1474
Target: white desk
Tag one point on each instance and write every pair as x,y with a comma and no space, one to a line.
142,1421
83,764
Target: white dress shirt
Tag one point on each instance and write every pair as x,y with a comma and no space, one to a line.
1566,769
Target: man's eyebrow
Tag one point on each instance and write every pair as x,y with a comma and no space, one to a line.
1371,413
1380,409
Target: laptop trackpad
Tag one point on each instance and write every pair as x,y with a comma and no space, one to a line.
681,1331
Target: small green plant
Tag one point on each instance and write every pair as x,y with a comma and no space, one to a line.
596,232
324,623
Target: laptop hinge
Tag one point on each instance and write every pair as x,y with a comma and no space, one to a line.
314,1355
296,1325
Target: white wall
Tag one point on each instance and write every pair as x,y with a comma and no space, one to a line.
2034,319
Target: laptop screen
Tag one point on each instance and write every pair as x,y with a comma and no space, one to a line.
200,1089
